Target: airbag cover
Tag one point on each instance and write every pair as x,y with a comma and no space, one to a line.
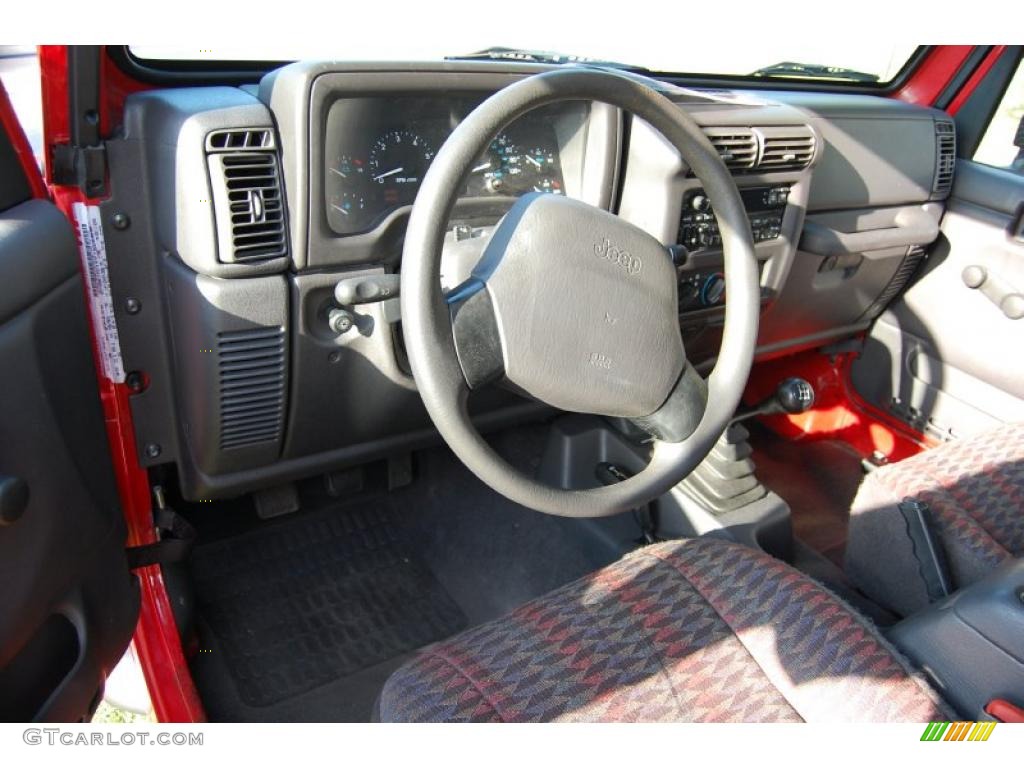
586,308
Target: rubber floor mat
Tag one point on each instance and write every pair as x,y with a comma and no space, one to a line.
302,602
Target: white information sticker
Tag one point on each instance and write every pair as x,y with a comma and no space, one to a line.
97,282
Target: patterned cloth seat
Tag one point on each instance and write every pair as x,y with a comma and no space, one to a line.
974,490
692,630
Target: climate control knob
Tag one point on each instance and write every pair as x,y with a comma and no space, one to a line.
713,290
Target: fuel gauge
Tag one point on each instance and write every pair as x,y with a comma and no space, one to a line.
348,168
346,193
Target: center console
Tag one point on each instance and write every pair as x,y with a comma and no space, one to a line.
699,242
771,166
971,645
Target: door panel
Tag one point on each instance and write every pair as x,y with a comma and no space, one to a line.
68,604
945,356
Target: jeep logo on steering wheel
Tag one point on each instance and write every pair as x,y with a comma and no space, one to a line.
618,256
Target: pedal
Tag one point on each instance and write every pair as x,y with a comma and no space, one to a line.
399,471
278,501
345,482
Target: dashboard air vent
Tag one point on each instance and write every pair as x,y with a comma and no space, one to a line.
736,146
945,158
251,368
258,138
788,148
247,198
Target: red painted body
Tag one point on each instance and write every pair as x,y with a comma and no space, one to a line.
156,637
839,413
979,75
933,74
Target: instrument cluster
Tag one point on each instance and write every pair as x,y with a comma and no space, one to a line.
379,149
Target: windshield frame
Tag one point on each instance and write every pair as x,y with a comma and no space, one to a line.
185,72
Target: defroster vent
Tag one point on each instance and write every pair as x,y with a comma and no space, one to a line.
251,373
247,195
945,158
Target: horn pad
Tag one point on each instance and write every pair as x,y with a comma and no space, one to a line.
585,306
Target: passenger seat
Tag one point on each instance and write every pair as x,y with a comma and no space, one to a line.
974,492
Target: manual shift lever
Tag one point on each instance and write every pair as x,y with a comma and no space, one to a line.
793,395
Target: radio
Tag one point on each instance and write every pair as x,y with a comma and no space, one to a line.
765,206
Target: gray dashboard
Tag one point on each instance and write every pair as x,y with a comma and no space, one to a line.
303,97
234,237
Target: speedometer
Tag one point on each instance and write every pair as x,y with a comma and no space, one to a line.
498,170
398,161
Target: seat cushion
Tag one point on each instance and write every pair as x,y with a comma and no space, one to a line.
974,489
697,630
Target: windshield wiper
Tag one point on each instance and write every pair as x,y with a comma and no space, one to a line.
527,56
814,71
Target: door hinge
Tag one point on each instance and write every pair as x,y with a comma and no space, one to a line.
82,162
83,167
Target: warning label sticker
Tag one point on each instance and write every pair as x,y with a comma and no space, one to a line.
101,304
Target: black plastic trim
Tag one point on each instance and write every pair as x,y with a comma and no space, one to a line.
962,75
974,117
191,72
173,72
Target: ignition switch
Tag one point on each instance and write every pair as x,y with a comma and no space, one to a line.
340,320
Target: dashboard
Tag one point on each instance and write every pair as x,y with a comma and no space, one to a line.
250,205
379,148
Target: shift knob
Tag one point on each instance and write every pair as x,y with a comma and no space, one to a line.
795,395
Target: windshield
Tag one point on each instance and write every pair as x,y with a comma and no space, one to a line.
636,42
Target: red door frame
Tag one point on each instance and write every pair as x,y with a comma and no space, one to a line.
841,414
156,640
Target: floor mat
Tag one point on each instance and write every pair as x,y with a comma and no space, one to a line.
315,598
464,543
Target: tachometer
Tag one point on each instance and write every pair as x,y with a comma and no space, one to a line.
398,161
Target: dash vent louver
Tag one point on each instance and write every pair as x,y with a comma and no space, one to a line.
945,158
736,146
788,148
251,375
247,195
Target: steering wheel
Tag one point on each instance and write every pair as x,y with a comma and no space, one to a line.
574,306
